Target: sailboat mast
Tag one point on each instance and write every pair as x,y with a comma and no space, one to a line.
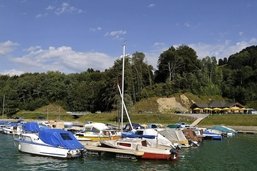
126,110
122,85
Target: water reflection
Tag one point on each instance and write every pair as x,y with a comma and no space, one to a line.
237,153
40,163
149,165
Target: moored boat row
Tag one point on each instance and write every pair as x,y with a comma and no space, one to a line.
158,143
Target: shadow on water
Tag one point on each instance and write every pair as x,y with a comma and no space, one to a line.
236,153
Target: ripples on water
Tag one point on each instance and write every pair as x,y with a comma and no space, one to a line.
236,153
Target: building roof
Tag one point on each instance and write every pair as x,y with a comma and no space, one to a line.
217,104
200,105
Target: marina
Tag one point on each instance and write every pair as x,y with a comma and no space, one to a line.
125,86
235,153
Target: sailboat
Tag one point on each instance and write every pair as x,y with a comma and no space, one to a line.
156,152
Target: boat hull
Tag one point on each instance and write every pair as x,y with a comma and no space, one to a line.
96,138
149,152
45,150
155,156
212,136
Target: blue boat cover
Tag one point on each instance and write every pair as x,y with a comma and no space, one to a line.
31,127
12,124
3,122
135,135
60,138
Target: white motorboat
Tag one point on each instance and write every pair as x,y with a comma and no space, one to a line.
48,142
96,132
3,124
207,134
136,144
12,128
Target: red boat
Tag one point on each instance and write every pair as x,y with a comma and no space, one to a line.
150,152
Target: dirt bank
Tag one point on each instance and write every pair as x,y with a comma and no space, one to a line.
170,104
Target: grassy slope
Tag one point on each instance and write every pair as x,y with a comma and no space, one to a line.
137,118
145,111
231,119
146,106
50,112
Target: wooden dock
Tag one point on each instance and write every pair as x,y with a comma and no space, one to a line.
199,117
245,129
99,150
247,132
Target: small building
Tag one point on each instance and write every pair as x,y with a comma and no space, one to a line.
218,106
251,111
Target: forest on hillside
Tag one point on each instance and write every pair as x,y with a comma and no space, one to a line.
179,70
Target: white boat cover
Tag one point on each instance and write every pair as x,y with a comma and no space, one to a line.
98,126
158,140
174,136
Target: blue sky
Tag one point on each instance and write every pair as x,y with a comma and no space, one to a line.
73,35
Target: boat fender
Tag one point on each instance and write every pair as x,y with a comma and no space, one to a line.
82,153
137,147
174,156
19,147
174,153
68,154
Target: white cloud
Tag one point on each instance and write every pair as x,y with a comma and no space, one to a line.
12,72
221,50
50,7
95,29
186,24
241,33
59,10
65,8
116,34
152,58
7,47
63,59
151,5
41,15
158,44
153,55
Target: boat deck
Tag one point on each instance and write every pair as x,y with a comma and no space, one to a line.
100,150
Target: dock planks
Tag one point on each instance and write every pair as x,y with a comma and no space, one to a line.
114,150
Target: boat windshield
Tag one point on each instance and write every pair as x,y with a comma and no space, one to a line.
65,136
95,130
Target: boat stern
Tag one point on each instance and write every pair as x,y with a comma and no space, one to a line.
75,153
173,154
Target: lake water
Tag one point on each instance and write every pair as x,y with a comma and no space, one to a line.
235,154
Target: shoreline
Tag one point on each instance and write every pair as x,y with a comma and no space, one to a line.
245,129
238,128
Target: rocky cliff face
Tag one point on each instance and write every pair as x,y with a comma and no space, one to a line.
172,105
